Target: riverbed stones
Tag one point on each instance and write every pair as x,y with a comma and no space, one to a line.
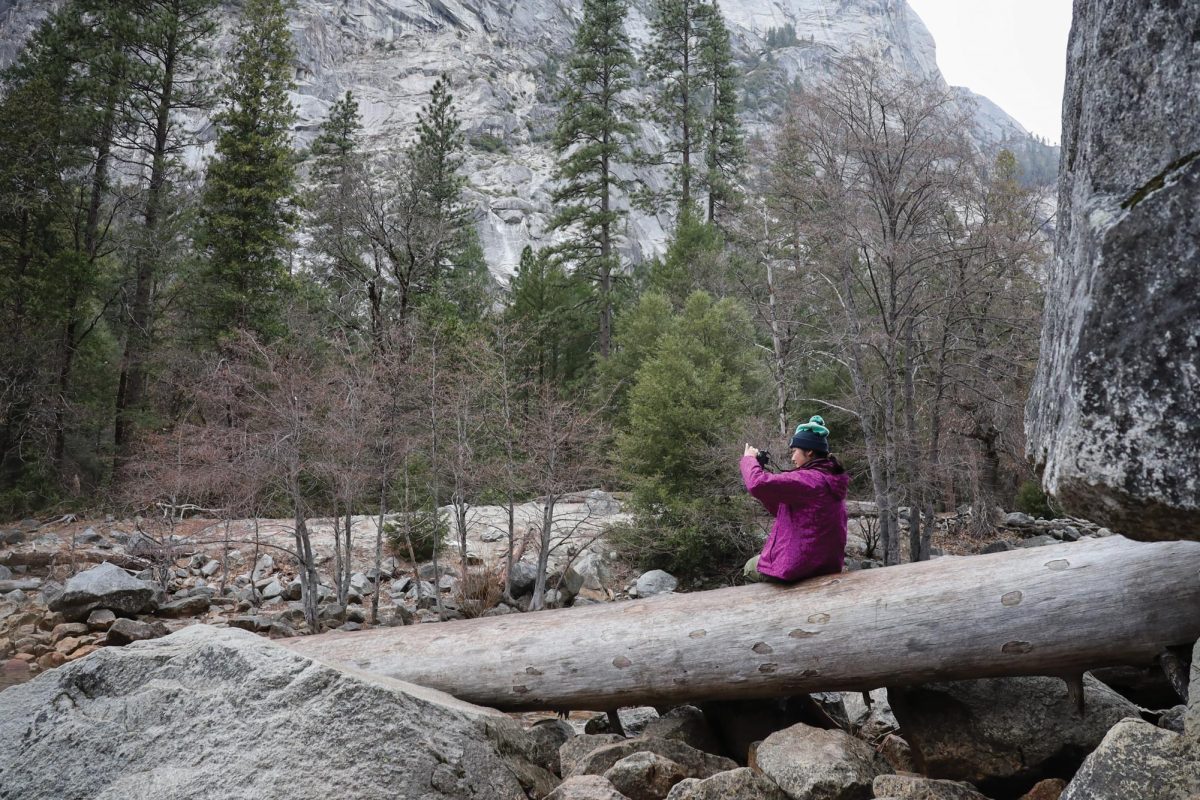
695,763
103,586
656,581
818,764
1112,419
257,713
1004,728
736,784
125,631
644,776
575,749
586,787
189,606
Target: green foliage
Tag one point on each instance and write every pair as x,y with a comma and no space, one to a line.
548,308
784,36
695,260
724,149
691,394
247,216
488,143
1034,501
592,140
426,531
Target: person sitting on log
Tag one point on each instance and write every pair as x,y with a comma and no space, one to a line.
809,506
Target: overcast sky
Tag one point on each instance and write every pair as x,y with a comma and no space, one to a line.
1011,51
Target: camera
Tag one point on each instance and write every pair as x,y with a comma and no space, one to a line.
763,458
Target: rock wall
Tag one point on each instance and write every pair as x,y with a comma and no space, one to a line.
1113,419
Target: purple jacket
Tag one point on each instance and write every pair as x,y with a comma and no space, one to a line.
809,506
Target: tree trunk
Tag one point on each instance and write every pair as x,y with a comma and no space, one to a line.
1056,610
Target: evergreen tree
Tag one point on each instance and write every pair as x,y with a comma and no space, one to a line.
690,397
170,52
546,304
592,141
724,150
338,176
673,62
435,163
246,217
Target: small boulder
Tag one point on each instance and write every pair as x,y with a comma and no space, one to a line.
586,787
633,721
656,581
190,606
736,784
103,586
1191,717
101,619
272,590
5,573
1005,728
644,776
522,577
262,568
210,568
1018,519
124,631
695,763
998,546
546,736
575,749
1137,759
601,503
1041,540
818,764
913,787
686,724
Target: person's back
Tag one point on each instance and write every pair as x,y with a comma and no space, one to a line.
809,506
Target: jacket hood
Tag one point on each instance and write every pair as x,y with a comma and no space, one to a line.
835,474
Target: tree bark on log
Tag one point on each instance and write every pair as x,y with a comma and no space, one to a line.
1056,610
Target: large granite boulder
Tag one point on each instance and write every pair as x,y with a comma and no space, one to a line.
1112,418
1137,759
1006,730
217,712
103,586
695,763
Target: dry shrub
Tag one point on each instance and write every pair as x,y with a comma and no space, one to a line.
483,590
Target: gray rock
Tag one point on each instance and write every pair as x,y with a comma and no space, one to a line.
575,749
1017,519
499,611
818,764
912,787
493,534
400,585
362,584
263,567
546,736
101,619
737,784
1112,418
272,590
602,503
686,724
695,763
644,776
1173,719
124,631
998,546
1041,540
522,578
186,607
103,586
1191,718
656,581
586,787
5,573
633,721
1016,728
89,536
20,585
234,697
210,568
1138,760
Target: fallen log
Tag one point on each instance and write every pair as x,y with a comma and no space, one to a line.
1055,610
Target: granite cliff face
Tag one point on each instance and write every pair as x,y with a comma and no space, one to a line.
502,56
1113,417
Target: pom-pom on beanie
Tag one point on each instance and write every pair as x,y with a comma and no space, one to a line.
811,435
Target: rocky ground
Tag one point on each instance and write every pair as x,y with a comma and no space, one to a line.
65,585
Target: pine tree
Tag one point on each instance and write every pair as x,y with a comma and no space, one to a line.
673,62
546,304
338,176
247,218
724,150
592,141
170,51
